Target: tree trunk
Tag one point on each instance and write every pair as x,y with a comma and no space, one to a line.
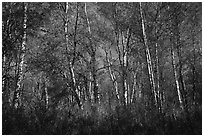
113,77
176,77
93,85
193,68
133,87
148,56
181,80
44,93
176,42
159,95
124,64
71,60
20,61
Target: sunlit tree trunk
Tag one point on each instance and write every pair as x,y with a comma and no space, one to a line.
148,56
20,61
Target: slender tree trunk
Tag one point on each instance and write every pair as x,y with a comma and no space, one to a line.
178,74
71,60
133,87
93,85
46,98
193,68
117,35
113,77
182,85
90,74
44,93
20,61
6,65
161,91
176,77
148,56
159,95
183,91
5,55
126,57
124,65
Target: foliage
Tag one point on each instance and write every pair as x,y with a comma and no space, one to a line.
102,68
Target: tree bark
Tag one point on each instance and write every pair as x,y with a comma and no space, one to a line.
176,42
20,61
148,56
176,77
93,85
193,67
113,77
159,94
71,60
123,66
44,93
133,87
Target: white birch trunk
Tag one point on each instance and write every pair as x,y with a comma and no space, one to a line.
21,59
93,85
125,43
159,95
46,98
133,88
176,78
90,74
148,56
71,67
113,77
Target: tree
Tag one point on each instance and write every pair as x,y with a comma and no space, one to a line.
148,57
101,68
72,60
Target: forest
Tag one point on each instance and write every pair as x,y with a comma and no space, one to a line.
101,68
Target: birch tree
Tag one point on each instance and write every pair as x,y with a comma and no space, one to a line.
71,60
148,56
112,75
20,66
93,84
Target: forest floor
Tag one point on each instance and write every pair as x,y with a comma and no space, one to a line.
112,124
